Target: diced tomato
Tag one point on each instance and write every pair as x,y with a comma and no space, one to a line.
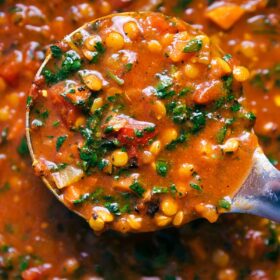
80,95
127,136
68,112
11,67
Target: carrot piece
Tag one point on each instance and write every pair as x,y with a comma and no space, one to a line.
226,15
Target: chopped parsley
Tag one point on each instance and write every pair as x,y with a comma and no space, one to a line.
71,63
221,135
196,187
59,142
225,203
137,188
22,149
56,51
115,78
162,168
193,45
159,190
163,88
99,50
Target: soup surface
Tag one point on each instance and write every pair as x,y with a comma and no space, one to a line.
138,154
40,239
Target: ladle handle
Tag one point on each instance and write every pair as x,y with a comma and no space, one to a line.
260,194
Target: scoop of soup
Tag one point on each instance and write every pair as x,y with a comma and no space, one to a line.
137,121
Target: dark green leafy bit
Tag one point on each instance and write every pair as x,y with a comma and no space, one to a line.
182,138
196,187
22,149
5,187
162,168
198,120
59,142
250,116
113,207
95,147
159,190
181,5
56,123
163,88
227,57
137,188
193,45
224,203
28,101
128,67
56,51
179,111
71,64
99,50
115,78
95,196
236,106
164,190
221,135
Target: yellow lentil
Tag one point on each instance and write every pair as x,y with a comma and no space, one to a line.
162,220
154,46
93,82
119,158
185,170
169,206
155,147
131,29
97,103
96,223
178,218
115,41
241,74
191,71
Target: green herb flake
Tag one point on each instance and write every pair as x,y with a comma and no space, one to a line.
56,51
193,45
196,187
250,116
225,203
128,67
162,168
56,123
138,189
22,149
115,78
138,133
59,142
113,207
235,107
221,135
28,101
159,190
227,57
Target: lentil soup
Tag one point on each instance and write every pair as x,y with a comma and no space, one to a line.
41,239
138,154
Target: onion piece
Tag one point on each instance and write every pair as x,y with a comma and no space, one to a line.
69,175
